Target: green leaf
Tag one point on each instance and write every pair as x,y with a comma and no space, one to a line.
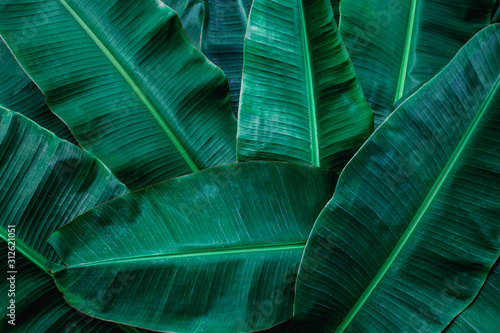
336,10
191,14
216,251
482,315
18,92
398,45
46,182
127,81
40,306
300,99
224,28
412,230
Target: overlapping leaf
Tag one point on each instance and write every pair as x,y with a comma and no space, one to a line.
216,251
483,314
412,229
300,99
191,14
127,81
18,92
397,45
224,30
45,182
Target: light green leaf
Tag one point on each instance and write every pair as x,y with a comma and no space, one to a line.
300,99
397,45
191,14
412,230
224,30
216,251
127,81
483,314
18,92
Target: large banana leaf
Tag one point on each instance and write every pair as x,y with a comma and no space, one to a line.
18,92
216,251
300,99
191,14
45,182
223,34
396,46
413,228
127,81
483,315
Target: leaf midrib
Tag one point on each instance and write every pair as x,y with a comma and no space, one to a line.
400,90
199,253
134,87
33,256
422,209
313,124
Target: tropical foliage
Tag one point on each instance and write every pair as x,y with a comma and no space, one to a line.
212,166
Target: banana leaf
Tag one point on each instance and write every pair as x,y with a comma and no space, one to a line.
483,314
191,13
40,306
412,230
127,81
223,34
300,99
216,251
336,10
45,182
398,45
18,92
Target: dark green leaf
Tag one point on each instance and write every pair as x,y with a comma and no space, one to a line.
484,313
412,230
127,81
46,182
191,15
18,92
222,40
396,45
300,99
40,306
216,251
336,10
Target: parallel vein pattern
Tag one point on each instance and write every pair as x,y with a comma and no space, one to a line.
300,99
412,229
396,46
19,93
127,81
45,182
197,253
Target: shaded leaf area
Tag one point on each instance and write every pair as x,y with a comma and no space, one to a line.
300,99
224,28
46,182
191,14
398,45
483,314
413,225
336,10
216,251
39,305
126,79
19,93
